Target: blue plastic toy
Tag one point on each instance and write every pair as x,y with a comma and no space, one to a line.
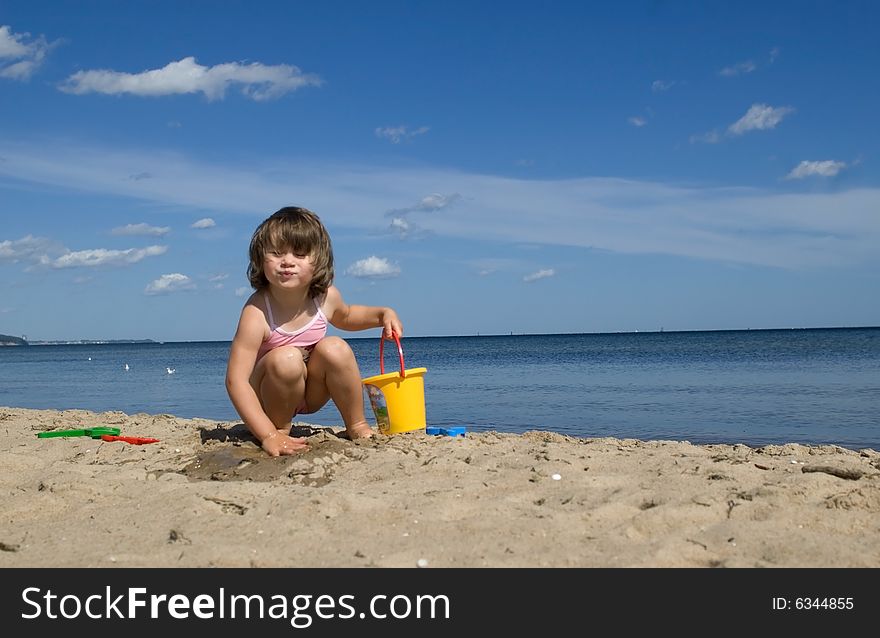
457,430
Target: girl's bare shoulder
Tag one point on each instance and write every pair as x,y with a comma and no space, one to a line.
330,301
253,313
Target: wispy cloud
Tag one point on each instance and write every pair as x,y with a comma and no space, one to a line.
102,257
405,227
541,274
661,86
205,222
398,134
257,81
743,225
217,280
401,226
759,117
165,284
748,66
43,252
373,268
709,137
28,249
738,69
428,204
489,265
141,229
637,121
21,55
825,168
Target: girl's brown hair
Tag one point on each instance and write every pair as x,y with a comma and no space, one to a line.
301,231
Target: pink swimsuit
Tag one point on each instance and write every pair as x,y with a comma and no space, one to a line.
305,338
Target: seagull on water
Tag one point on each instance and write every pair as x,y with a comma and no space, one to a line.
170,370
126,366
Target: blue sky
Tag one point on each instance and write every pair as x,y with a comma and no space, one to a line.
482,167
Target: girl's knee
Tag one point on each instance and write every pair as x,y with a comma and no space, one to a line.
334,349
285,364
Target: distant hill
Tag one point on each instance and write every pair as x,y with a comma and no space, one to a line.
8,340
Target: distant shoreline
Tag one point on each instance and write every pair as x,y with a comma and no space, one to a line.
69,342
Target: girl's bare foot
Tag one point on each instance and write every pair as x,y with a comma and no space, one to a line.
360,430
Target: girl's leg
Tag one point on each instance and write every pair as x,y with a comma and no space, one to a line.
333,374
279,380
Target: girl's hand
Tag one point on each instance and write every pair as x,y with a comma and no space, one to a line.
280,444
391,324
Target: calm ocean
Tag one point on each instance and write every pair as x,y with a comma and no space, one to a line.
754,387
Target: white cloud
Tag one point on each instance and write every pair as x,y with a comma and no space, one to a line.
659,86
217,280
11,45
541,274
434,202
825,168
242,291
205,222
397,134
401,226
737,69
165,284
373,268
428,204
28,248
141,229
19,57
102,257
637,121
759,117
257,81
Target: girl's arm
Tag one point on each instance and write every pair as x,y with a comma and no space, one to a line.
242,358
355,317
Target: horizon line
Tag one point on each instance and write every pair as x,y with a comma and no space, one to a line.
454,336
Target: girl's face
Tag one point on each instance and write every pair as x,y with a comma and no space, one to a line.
283,268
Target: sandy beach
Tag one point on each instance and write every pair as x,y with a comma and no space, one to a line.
205,495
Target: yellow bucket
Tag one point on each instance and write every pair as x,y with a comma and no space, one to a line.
397,398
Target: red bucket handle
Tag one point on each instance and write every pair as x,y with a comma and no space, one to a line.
382,354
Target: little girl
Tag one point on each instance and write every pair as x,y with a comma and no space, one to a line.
281,362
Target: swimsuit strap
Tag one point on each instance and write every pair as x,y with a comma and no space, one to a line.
273,326
269,311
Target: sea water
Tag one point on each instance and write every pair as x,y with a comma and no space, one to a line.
755,387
